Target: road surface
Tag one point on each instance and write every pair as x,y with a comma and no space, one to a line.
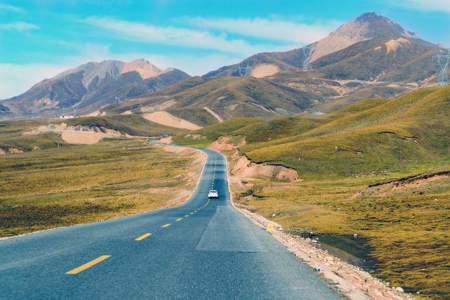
200,250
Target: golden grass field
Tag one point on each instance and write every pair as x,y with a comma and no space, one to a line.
84,183
407,229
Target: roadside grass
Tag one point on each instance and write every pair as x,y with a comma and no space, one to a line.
407,229
85,183
11,136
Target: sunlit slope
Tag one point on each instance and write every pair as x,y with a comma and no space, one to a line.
370,136
229,97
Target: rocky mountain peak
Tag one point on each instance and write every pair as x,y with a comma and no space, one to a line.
365,27
371,17
380,26
90,86
143,67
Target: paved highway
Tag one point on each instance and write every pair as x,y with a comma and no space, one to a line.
200,250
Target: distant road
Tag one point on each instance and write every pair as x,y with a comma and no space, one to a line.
200,250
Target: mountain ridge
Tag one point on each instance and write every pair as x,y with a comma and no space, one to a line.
90,86
366,27
370,56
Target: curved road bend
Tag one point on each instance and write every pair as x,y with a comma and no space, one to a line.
200,250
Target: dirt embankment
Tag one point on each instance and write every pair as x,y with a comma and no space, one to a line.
410,183
78,134
11,150
414,180
245,169
81,135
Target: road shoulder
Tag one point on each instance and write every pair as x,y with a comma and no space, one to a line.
351,281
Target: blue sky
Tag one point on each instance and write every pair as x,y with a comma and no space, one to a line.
40,38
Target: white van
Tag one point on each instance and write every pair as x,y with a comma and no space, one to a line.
213,194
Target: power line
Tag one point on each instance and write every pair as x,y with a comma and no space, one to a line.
307,55
443,61
243,69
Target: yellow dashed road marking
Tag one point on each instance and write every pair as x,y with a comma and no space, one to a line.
142,237
165,225
88,265
179,219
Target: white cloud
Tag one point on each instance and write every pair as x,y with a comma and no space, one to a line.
175,36
17,78
19,26
268,29
427,5
11,8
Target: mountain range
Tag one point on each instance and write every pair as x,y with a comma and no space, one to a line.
385,36
370,56
91,86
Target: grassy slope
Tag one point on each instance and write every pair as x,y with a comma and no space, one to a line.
389,136
230,97
12,132
11,136
54,183
407,229
57,187
338,156
373,136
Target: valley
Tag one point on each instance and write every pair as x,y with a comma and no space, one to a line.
338,148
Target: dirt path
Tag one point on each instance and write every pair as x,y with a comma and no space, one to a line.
214,114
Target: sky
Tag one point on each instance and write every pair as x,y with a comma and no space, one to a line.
40,38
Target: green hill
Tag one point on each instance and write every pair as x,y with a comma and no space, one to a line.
401,228
371,136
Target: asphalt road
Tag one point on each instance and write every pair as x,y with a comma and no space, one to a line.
200,250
